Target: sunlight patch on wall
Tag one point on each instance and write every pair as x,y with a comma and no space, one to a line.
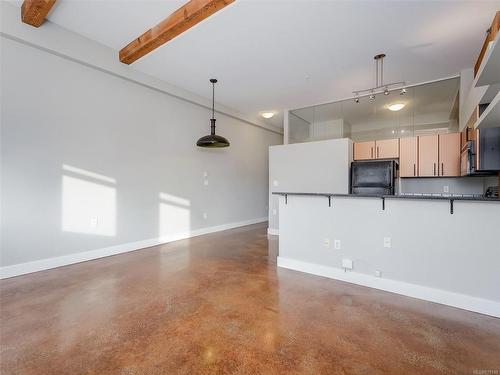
175,215
88,202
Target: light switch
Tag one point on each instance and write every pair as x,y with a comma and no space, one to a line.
205,182
326,242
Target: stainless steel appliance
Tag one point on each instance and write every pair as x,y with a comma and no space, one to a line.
481,156
373,177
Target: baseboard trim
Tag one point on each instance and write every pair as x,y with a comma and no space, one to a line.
49,263
443,297
273,232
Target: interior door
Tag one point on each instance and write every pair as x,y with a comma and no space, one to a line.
428,155
408,157
449,154
387,149
364,150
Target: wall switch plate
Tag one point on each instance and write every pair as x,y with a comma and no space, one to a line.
326,242
336,244
205,215
205,182
347,264
387,242
275,183
378,273
446,189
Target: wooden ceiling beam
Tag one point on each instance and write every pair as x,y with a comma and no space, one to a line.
179,21
33,12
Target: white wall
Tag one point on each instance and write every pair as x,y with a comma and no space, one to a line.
314,167
450,259
92,160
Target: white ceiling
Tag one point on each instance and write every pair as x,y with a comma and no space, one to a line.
276,54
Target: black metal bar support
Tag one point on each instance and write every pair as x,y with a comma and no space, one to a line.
286,198
451,206
383,203
329,201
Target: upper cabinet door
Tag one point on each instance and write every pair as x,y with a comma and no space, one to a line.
408,157
364,150
428,156
449,154
387,149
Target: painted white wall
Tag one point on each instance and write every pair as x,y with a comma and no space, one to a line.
313,167
91,160
434,255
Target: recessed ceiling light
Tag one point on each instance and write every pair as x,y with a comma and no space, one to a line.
267,114
396,107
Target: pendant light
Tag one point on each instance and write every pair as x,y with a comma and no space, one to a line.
212,140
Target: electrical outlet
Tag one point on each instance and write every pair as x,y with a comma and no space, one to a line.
205,215
446,189
94,222
387,242
326,242
378,273
336,244
347,264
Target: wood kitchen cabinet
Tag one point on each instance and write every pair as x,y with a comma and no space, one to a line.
384,149
428,155
439,155
364,150
449,154
408,154
387,149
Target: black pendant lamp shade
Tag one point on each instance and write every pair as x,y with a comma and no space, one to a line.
212,140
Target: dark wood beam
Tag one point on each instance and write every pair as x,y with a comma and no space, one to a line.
33,12
179,21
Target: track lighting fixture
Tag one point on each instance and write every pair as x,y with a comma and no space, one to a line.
380,86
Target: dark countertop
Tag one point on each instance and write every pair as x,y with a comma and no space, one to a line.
428,197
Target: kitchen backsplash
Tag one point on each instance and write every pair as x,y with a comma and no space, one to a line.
455,185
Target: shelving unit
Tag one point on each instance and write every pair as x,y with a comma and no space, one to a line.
489,70
491,115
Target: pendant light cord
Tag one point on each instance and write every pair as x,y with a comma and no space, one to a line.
213,99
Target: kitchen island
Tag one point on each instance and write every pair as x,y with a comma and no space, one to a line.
444,249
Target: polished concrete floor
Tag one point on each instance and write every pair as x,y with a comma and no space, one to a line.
217,304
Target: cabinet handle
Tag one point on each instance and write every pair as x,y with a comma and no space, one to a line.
378,152
442,169
371,152
414,169
434,173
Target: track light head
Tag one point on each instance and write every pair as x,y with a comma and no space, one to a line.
386,91
403,91
372,96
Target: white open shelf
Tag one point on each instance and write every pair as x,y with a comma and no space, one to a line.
491,115
489,70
